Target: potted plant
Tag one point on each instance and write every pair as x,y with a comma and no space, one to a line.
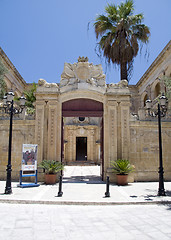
122,167
51,168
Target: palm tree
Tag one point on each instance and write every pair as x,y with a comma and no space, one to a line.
121,34
30,96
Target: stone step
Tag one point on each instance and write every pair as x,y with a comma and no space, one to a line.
81,163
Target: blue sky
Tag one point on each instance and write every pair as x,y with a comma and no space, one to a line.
38,36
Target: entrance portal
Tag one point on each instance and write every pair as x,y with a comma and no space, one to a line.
80,109
81,148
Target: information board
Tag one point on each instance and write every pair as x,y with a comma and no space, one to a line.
29,157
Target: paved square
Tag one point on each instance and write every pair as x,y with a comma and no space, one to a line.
51,222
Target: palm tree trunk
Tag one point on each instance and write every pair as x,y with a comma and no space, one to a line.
123,70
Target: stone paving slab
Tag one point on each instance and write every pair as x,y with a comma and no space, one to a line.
82,186
35,221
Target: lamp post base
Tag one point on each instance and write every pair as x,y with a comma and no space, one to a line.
8,191
161,192
8,188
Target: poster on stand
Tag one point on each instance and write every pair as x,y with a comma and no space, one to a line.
29,157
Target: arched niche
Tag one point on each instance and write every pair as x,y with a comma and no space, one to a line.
156,89
144,97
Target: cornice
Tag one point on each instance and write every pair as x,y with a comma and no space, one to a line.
156,61
11,65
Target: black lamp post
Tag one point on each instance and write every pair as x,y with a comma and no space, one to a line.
160,112
8,107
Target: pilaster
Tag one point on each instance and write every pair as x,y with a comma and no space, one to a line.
125,131
52,130
112,131
39,129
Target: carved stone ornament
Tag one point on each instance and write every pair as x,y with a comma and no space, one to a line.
82,72
43,83
76,120
121,84
83,59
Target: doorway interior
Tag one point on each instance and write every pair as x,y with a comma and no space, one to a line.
82,108
81,148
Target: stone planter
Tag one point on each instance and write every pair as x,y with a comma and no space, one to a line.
50,178
122,180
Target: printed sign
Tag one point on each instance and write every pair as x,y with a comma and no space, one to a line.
29,157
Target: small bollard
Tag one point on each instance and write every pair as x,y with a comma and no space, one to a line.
60,193
107,193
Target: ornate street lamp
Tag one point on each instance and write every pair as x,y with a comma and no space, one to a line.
160,112
8,107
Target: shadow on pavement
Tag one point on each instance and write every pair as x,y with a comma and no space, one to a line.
168,207
168,193
155,193
89,179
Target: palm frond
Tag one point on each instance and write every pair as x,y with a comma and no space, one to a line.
122,166
51,166
141,32
102,25
112,12
126,9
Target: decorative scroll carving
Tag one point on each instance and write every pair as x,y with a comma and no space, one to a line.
125,131
52,127
112,136
125,137
112,127
39,121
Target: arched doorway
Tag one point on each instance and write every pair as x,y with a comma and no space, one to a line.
82,146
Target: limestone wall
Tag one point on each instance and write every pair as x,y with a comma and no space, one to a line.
23,132
144,149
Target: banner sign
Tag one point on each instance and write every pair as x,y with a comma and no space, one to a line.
29,157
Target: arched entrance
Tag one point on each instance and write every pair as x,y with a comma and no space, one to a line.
82,148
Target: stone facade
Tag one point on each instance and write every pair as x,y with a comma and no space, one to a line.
83,120
83,81
151,84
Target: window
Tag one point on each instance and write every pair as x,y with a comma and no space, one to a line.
81,119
